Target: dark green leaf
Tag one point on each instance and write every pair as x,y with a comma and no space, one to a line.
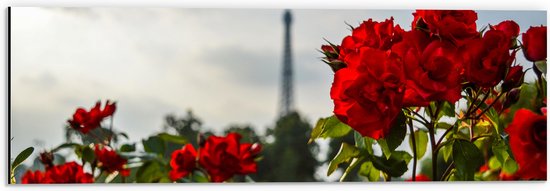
173,138
154,144
468,158
21,157
88,154
346,153
329,127
367,170
128,148
65,145
395,137
405,156
394,166
150,172
123,134
421,139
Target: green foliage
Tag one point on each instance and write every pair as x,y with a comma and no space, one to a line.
541,65
346,153
329,127
152,172
394,166
368,170
395,137
128,148
421,140
22,156
154,144
468,158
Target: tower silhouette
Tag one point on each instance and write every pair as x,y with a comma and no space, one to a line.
287,91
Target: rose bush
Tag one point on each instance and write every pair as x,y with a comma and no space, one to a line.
429,72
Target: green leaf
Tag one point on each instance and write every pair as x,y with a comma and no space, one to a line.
385,148
395,137
541,65
346,153
21,157
150,172
395,166
510,166
88,154
499,149
447,109
154,144
363,143
494,164
447,150
65,145
128,148
367,170
421,139
352,165
468,158
329,127
405,156
443,125
173,138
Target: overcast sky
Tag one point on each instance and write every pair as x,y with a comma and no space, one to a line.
224,64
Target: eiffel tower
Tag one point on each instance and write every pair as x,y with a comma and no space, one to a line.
287,91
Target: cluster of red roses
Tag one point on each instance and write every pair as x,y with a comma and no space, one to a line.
67,173
106,159
85,121
382,68
221,157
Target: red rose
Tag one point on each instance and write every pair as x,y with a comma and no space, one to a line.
420,178
109,161
487,59
62,174
223,157
377,35
514,78
84,121
455,25
527,133
511,28
183,162
431,67
534,44
69,173
368,95
36,177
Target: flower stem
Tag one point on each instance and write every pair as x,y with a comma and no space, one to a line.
431,131
413,139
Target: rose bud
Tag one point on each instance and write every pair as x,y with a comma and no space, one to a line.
46,158
513,79
331,57
511,98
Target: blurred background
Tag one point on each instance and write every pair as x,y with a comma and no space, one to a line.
186,71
